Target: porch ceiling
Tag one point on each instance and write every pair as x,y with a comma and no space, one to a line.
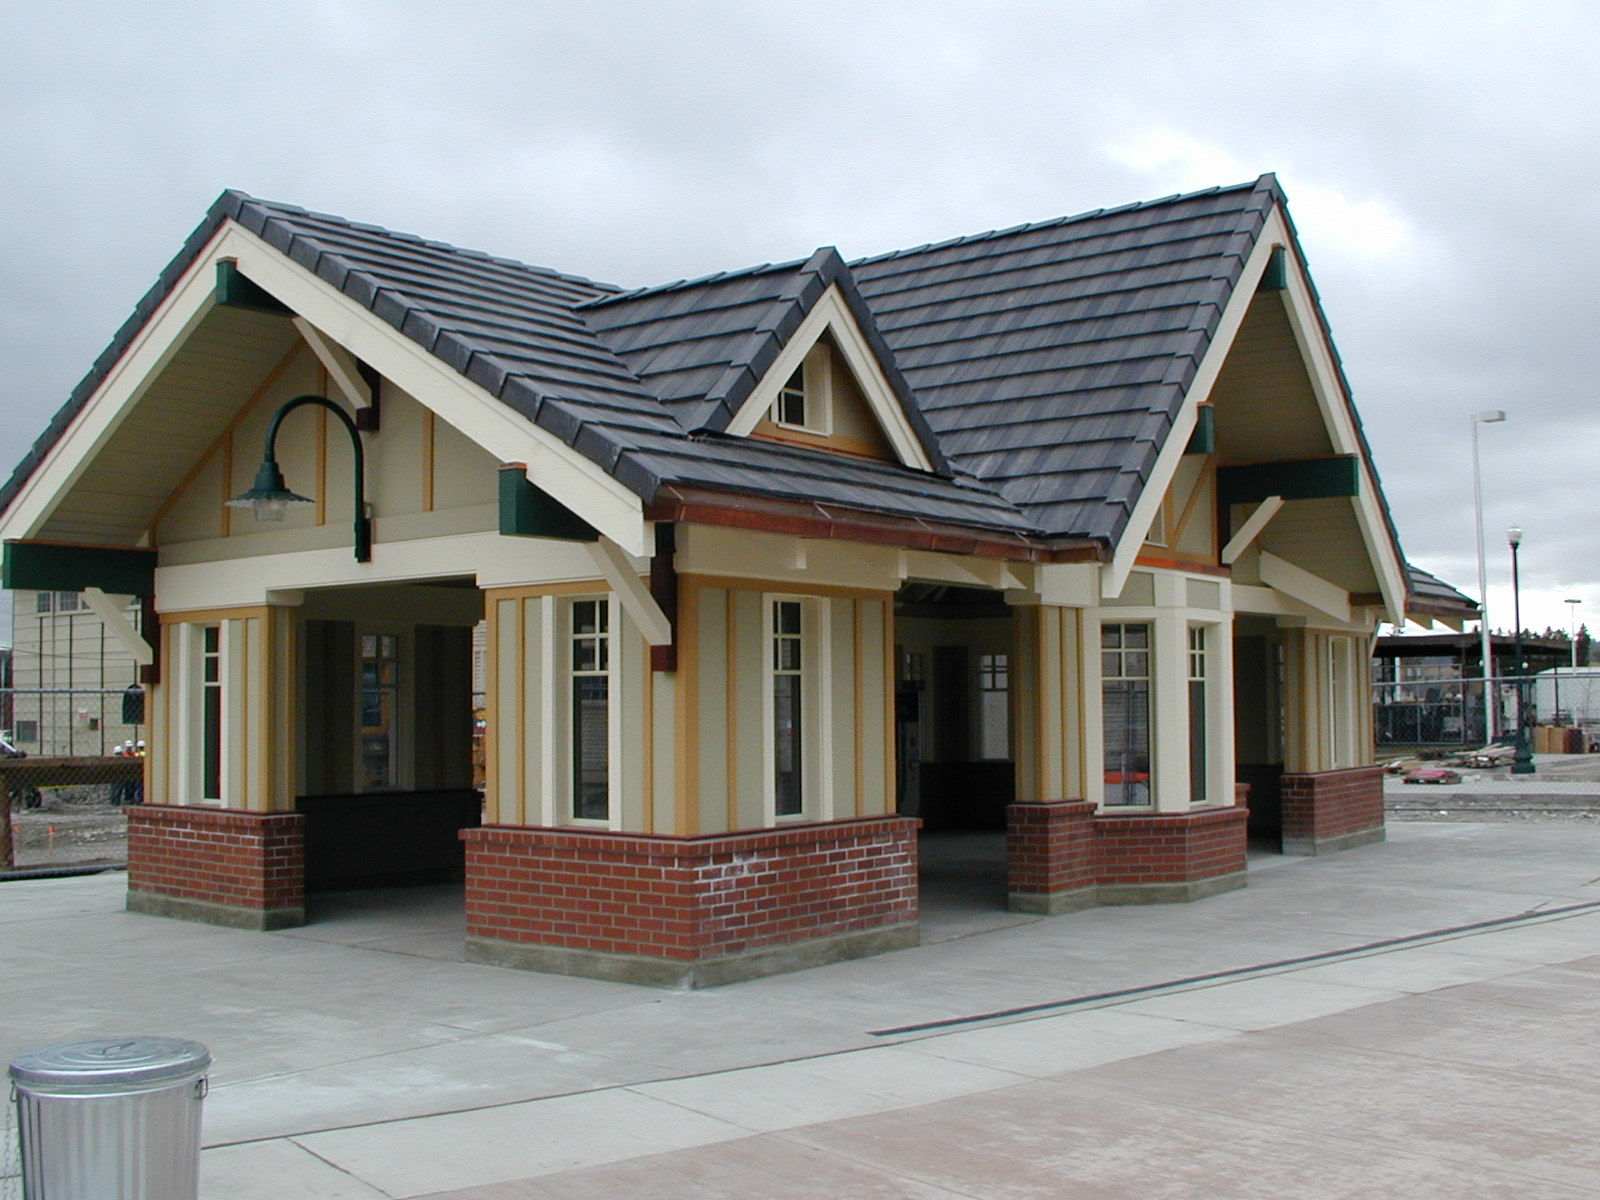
177,420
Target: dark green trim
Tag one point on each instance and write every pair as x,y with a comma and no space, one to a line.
529,511
1296,479
1204,438
52,567
235,291
1276,277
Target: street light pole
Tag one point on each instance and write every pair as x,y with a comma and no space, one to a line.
1572,629
1491,727
1522,753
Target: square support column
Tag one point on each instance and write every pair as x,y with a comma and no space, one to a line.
1050,856
690,912
245,870
1328,811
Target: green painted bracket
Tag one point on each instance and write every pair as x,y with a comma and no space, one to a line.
235,291
1204,438
529,511
57,567
1294,479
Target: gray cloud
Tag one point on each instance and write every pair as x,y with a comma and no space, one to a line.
1438,160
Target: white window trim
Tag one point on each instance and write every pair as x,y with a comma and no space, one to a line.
566,799
816,712
191,728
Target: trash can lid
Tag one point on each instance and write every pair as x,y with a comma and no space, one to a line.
101,1061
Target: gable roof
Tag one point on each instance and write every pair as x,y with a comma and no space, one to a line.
1042,366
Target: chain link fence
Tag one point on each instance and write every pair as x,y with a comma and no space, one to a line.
1449,714
73,759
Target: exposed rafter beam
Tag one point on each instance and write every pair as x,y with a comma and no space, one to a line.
341,365
1305,587
118,626
1251,529
631,590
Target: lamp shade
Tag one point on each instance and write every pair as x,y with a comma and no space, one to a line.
270,496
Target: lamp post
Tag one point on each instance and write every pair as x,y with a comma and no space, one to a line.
1522,755
270,497
1572,629
1491,727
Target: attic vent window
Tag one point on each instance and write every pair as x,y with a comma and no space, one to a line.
791,406
804,402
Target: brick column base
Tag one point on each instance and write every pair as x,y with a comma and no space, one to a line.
1050,856
690,912
1164,858
219,865
1332,810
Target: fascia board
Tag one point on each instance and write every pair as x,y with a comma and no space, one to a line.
495,561
831,314
1114,575
581,485
151,349
1338,416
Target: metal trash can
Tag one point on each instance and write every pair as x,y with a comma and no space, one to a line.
111,1119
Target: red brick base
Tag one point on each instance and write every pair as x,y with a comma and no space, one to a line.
1332,810
1063,856
219,865
690,911
1050,856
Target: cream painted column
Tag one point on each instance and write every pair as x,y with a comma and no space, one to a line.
1047,703
1220,735
1169,715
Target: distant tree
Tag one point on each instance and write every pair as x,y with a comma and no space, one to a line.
1585,646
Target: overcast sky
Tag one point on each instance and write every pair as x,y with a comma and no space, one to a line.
1440,162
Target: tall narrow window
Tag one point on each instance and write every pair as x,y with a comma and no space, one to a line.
787,690
994,710
380,707
1198,773
1125,704
211,712
591,709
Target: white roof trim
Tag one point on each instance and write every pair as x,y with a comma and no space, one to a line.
1337,415
832,315
581,485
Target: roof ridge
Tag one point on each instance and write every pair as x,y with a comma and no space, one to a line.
295,211
1051,222
657,289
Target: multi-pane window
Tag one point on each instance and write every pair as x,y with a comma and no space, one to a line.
994,710
1197,714
787,691
380,710
591,709
1125,707
211,712
44,601
790,408
68,602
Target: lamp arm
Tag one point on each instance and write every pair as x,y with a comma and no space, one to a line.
363,525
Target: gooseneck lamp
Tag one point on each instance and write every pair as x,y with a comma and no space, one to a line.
269,498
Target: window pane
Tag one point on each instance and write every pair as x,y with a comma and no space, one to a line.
1126,705
787,743
1111,636
591,741
585,655
1138,636
1136,664
211,742
585,617
1197,741
211,637
787,617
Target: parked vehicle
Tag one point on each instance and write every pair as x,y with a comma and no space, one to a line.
7,750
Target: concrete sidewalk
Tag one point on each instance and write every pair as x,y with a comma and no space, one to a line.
355,1059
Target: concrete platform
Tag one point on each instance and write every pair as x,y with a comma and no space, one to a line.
1409,1019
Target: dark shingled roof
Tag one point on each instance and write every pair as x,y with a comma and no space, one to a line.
1430,593
1042,366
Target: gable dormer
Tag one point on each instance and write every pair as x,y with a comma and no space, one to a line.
786,353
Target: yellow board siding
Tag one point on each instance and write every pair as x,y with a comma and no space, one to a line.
843,732
711,745
877,710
